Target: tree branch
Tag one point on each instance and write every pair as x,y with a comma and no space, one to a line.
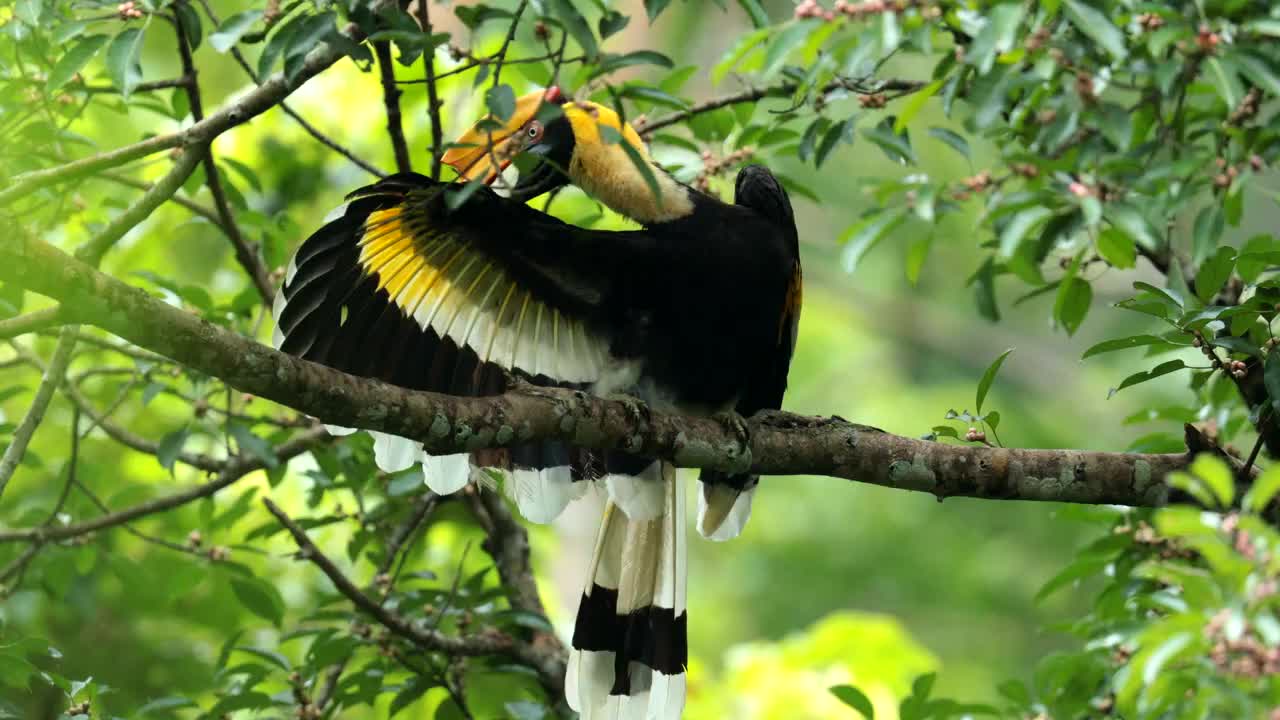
391,98
53,376
31,322
232,471
903,87
779,443
245,255
488,642
433,96
252,104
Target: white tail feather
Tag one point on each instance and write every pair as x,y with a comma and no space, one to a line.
446,474
541,495
641,496
645,560
393,453
723,511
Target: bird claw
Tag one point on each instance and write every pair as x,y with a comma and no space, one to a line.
736,425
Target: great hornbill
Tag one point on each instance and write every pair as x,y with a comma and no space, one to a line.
426,286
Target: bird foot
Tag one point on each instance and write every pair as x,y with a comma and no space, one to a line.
736,425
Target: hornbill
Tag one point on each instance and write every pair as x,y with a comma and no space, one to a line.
452,288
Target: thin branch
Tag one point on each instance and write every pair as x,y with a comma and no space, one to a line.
234,470
899,87
31,322
778,443
391,98
115,432
310,129
485,643
207,213
53,376
433,97
92,251
245,255
253,103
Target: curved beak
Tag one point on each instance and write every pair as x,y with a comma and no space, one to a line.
488,148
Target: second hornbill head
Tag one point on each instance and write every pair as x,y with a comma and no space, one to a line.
537,130
578,142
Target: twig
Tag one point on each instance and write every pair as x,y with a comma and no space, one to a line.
391,98
207,213
31,322
53,375
486,643
92,251
433,99
252,104
310,129
245,255
901,87
235,469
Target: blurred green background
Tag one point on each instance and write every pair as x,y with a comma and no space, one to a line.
833,582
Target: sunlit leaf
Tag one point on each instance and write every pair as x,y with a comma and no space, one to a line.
988,377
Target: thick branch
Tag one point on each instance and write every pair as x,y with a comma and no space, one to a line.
254,103
779,444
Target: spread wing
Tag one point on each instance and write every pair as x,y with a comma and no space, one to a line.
400,287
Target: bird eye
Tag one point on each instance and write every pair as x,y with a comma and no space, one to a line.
535,130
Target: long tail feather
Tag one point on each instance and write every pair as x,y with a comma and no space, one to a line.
630,644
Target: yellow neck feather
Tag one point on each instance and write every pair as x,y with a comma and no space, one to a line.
607,171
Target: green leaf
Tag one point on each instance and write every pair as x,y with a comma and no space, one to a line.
1263,491
917,253
952,139
1215,272
854,698
915,103
989,377
610,63
1216,476
1138,378
254,445
501,101
736,54
29,11
753,9
1257,71
1128,220
862,236
1117,248
1127,343
645,93
611,23
260,598
996,37
1096,26
232,29
1264,27
74,60
1017,229
654,8
834,134
1074,298
1271,379
576,25
189,19
1223,73
895,145
170,447
791,37
122,60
